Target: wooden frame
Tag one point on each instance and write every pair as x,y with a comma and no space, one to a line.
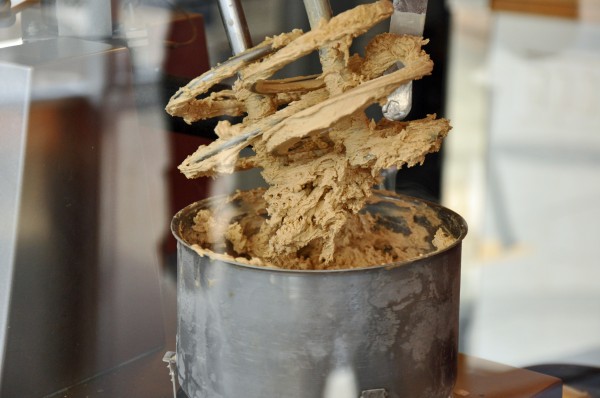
557,8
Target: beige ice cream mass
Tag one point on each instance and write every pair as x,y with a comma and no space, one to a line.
319,153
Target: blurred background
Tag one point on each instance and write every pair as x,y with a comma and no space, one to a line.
88,179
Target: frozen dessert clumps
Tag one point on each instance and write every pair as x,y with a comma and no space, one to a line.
317,150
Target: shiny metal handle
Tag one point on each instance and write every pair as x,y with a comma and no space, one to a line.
235,25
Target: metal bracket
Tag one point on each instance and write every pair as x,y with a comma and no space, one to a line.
378,393
171,359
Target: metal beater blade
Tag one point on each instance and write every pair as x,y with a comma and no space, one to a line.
239,39
409,19
236,27
317,10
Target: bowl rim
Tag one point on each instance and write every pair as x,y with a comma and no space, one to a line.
460,222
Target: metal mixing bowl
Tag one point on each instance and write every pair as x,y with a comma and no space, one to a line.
256,332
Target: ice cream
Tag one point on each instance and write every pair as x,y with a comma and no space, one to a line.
390,229
317,150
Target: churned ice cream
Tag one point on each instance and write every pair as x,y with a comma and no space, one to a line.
318,151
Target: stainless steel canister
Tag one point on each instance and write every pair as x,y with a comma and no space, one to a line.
254,332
